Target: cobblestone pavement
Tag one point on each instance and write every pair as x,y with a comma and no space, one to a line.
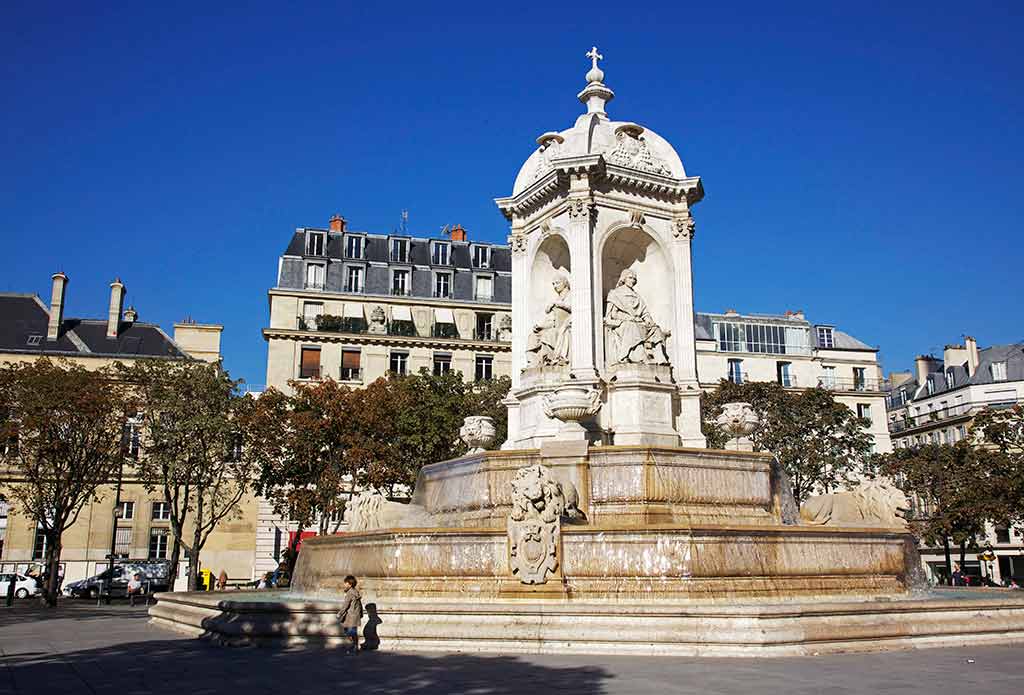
112,649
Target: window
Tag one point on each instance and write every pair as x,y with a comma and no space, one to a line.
859,379
736,371
484,367
310,312
961,432
1002,534
484,284
315,273
737,336
126,511
158,538
481,257
826,339
398,363
123,540
400,250
998,370
930,385
350,365
442,363
309,363
945,437
315,243
442,284
400,282
864,410
131,438
439,255
828,377
903,396
484,326
783,369
353,247
933,437
161,511
39,545
949,378
353,279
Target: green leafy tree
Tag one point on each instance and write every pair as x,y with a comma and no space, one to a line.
1001,431
192,448
953,489
819,442
63,429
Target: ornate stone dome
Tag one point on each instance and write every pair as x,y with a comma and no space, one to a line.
621,143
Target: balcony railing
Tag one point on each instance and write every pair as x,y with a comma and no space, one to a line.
351,374
400,291
872,385
737,377
442,294
310,285
309,372
484,296
353,288
484,334
910,422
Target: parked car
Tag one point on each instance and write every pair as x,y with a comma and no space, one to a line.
155,573
23,586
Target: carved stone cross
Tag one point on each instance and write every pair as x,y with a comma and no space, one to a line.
594,56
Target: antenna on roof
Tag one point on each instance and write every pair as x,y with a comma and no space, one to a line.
405,222
445,231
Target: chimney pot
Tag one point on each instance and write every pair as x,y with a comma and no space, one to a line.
117,293
337,223
60,284
458,233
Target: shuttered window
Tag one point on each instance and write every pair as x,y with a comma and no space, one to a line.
309,366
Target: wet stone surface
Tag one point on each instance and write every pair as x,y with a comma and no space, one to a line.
80,648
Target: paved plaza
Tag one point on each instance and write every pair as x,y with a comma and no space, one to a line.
84,649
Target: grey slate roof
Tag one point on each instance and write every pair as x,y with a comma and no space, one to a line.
844,341
1012,355
24,315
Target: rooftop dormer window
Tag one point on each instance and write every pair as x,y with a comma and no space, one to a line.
826,338
400,250
481,256
440,253
949,379
998,371
930,385
353,246
316,242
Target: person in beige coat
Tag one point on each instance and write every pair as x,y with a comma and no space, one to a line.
351,613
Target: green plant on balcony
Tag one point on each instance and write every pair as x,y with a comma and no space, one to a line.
329,322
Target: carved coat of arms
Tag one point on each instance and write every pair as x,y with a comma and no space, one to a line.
534,530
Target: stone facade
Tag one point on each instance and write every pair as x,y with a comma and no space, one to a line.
354,306
936,404
143,525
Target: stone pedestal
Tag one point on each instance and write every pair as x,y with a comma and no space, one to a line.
640,405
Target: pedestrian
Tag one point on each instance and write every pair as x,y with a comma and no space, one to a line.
222,581
351,613
958,576
265,581
134,588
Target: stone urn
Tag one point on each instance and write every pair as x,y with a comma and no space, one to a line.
570,404
739,421
477,432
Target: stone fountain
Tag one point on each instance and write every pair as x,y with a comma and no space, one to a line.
603,523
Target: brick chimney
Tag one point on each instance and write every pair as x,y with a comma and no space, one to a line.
337,223
922,368
60,285
458,233
117,293
972,355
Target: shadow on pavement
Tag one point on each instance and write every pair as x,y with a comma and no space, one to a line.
194,667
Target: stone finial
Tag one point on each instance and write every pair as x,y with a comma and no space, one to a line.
595,95
595,74
739,420
478,433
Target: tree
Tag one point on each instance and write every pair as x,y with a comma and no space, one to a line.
1002,430
64,429
953,490
191,421
819,442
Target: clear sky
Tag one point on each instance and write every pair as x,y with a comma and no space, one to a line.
861,162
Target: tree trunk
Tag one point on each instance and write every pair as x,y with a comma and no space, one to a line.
53,547
963,554
193,560
949,560
172,571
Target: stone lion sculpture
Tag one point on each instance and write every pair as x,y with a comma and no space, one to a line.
536,492
369,511
875,502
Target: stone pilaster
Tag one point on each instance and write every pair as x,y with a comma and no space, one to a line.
581,239
684,344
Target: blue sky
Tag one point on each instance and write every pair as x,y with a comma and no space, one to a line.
861,162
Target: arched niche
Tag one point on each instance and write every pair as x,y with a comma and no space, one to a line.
550,261
634,248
